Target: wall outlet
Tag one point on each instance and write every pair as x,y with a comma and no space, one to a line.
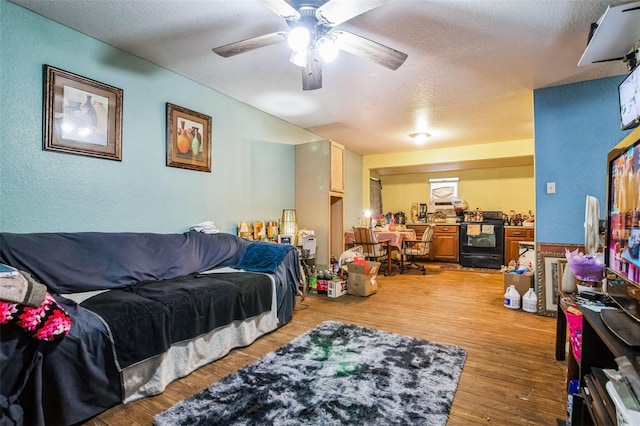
551,187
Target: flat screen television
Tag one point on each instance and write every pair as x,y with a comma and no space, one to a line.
629,97
622,254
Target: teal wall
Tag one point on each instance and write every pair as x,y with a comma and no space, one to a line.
575,127
253,161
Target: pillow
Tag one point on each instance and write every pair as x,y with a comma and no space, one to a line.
263,256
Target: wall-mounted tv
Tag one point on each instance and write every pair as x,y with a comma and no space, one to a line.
629,96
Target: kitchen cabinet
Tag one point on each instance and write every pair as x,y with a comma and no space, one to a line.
444,245
512,236
418,228
336,155
320,196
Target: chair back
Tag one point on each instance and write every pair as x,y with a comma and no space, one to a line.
426,240
421,248
365,237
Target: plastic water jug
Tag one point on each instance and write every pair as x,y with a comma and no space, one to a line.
530,301
512,298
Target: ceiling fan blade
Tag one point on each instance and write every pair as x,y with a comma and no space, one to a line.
335,12
368,49
238,47
312,73
282,8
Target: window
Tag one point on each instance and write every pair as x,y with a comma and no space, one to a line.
443,188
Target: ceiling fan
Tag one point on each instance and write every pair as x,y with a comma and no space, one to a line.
314,39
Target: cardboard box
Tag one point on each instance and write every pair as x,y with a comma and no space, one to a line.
523,282
363,278
337,288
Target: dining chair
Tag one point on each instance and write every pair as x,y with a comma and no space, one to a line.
412,249
373,249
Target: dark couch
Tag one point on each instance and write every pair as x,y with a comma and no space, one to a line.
145,310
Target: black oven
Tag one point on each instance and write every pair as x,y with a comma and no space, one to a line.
482,243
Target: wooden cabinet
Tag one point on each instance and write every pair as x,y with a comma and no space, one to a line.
319,195
336,155
444,246
418,228
512,236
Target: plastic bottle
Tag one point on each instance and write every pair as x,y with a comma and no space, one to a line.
313,283
574,387
530,301
512,298
323,282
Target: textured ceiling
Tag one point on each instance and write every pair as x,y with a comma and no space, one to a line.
472,64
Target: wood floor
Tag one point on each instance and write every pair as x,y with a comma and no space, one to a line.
510,376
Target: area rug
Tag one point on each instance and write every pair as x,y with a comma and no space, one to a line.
334,374
456,267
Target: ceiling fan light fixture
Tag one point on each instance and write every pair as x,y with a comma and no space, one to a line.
299,38
300,58
328,49
420,137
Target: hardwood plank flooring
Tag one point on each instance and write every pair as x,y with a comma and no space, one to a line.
510,376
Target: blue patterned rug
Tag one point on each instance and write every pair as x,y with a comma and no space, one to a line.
333,374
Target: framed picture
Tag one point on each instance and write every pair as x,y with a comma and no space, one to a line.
550,268
259,231
562,265
188,139
285,239
245,230
81,116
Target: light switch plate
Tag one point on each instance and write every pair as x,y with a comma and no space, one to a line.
551,187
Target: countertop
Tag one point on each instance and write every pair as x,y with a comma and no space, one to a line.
433,223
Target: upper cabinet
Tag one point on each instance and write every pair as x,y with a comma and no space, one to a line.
337,168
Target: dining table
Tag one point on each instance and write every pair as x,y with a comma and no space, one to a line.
395,238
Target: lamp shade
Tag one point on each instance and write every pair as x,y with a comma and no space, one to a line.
289,224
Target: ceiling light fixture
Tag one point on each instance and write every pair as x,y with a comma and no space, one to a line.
300,58
420,137
299,38
327,48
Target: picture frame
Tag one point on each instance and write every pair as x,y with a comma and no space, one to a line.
551,260
562,265
81,116
188,139
245,230
285,239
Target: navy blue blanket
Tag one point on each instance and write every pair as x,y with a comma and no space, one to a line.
147,318
85,261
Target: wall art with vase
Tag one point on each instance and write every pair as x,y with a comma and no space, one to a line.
81,116
188,139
